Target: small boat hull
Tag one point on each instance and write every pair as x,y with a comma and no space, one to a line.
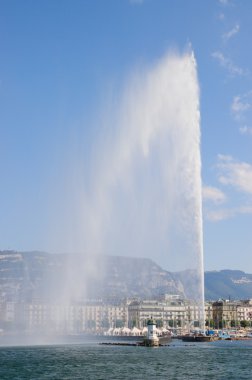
197,338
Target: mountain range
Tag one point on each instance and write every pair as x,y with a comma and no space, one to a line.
41,276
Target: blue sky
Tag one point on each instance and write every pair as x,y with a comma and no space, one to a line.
59,62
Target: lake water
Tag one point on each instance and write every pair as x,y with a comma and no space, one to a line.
178,361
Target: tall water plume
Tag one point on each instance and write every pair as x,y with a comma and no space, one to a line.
142,195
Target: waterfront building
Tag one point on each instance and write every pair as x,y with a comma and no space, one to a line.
97,316
10,312
244,311
225,313
171,312
209,314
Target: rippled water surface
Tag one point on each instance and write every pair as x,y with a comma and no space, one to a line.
218,360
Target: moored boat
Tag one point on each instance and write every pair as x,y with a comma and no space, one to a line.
197,338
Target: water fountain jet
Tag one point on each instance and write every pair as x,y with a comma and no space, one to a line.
143,196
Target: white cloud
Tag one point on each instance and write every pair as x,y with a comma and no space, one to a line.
138,2
218,215
226,3
225,157
245,210
227,64
232,173
224,214
213,194
241,109
241,104
235,173
245,130
231,33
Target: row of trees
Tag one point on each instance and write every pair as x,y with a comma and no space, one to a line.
225,324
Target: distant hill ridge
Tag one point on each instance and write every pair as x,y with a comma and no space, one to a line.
234,284
28,276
